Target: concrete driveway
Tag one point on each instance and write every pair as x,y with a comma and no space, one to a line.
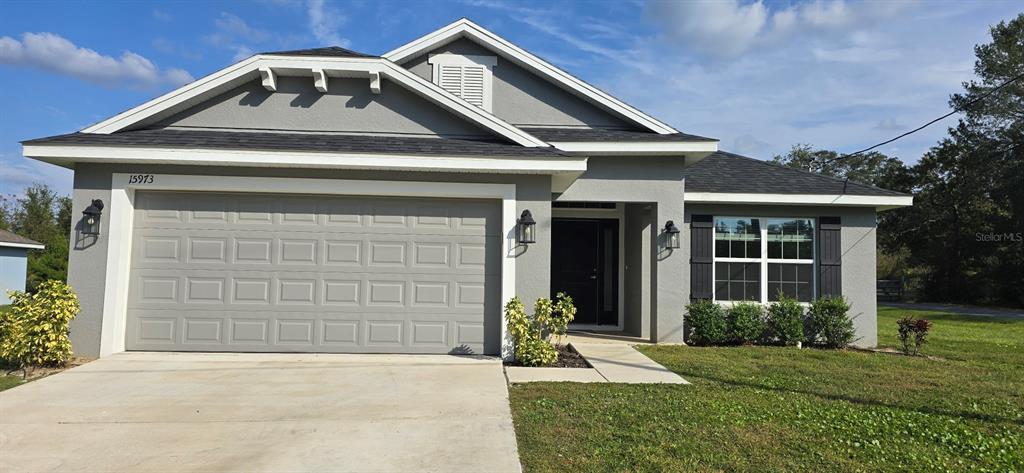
258,412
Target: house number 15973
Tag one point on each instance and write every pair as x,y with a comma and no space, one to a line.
140,179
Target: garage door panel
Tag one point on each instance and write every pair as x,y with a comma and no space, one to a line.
319,274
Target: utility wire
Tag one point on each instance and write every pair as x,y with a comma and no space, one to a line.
915,130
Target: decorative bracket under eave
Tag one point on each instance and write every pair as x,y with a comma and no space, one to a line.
320,80
375,82
269,79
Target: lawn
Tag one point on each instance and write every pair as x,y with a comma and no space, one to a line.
770,409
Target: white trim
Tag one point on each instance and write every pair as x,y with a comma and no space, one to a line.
881,202
29,246
466,28
320,80
63,154
252,68
122,209
661,148
462,59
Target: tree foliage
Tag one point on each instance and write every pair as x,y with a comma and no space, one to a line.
44,216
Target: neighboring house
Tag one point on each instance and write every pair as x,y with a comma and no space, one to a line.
14,262
324,200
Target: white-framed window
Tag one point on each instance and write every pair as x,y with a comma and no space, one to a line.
757,258
467,77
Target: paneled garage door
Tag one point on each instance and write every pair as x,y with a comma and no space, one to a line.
285,273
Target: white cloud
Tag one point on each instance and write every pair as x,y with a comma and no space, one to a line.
51,52
162,16
324,22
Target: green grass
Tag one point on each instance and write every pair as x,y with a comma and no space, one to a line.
771,408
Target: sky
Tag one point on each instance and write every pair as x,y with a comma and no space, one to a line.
760,76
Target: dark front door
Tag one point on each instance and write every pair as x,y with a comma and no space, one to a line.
585,265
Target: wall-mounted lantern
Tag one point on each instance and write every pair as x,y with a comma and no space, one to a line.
671,235
527,228
91,218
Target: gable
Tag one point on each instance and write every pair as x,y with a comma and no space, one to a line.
521,97
348,106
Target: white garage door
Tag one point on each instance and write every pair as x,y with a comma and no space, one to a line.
286,273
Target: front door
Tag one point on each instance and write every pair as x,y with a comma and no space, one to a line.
585,265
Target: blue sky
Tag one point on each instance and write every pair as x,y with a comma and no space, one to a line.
761,76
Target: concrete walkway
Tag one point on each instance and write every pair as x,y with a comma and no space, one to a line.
958,309
149,412
614,360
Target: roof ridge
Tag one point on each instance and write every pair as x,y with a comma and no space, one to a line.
804,171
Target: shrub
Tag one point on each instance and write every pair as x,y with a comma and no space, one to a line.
707,323
916,329
828,324
784,321
746,322
34,330
530,334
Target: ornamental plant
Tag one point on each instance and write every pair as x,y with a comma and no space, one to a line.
784,321
531,334
913,333
828,323
34,331
707,325
746,322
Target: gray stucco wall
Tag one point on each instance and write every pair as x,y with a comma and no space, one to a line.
858,249
638,226
658,183
522,98
348,106
13,264
87,261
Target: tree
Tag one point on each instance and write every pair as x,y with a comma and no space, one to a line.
42,215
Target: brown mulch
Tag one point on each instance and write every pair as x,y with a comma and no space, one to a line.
567,358
36,372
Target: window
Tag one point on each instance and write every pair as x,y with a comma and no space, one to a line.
467,77
756,259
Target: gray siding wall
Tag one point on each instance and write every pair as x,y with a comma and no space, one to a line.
522,98
638,239
858,253
348,106
658,183
87,261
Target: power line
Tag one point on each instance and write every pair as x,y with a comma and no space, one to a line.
915,130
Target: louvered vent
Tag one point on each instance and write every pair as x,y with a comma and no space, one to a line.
466,82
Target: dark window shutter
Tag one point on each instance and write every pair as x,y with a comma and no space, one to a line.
830,257
702,244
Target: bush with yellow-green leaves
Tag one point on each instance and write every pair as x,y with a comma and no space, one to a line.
34,329
531,334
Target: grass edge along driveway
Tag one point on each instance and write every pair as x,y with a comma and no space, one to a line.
772,408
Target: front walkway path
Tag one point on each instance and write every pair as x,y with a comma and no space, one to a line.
613,358
160,412
958,309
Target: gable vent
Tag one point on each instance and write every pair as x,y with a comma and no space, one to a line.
467,77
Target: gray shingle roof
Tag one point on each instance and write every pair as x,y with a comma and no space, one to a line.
731,173
168,138
330,51
9,237
606,135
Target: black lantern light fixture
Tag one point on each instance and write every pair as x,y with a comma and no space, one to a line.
527,228
91,218
671,235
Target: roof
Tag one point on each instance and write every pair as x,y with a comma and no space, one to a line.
337,143
608,135
729,173
12,239
329,51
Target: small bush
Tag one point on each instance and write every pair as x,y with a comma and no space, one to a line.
707,323
784,322
530,334
746,322
913,333
34,330
828,324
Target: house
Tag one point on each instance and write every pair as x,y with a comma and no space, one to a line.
14,262
324,200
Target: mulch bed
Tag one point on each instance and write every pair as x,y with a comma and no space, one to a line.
567,358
